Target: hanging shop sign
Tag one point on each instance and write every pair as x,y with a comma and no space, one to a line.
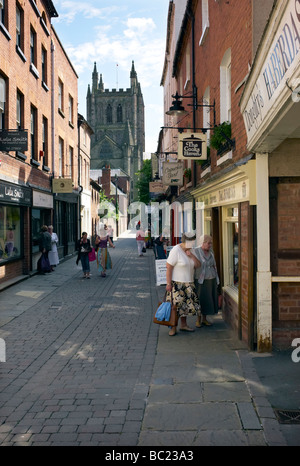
192,146
280,67
156,187
15,194
62,185
13,140
172,174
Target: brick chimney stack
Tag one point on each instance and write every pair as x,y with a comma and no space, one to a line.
106,180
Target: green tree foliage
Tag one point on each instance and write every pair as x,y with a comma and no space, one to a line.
144,178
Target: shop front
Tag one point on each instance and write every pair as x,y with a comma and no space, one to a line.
225,210
66,222
15,204
271,109
41,214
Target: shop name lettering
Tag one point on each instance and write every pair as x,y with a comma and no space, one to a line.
191,149
14,193
280,60
13,139
224,195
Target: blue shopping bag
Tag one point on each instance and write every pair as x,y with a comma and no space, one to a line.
163,312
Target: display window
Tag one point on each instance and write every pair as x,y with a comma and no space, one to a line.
10,233
230,247
40,217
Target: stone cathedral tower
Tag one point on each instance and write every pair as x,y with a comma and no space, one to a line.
117,118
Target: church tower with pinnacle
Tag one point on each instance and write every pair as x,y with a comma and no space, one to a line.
118,121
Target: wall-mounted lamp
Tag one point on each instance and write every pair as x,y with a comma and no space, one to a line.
177,109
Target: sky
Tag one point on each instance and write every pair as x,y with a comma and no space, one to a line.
113,33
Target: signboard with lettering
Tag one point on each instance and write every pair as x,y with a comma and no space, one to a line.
281,62
172,174
161,271
15,194
192,146
13,140
62,185
156,187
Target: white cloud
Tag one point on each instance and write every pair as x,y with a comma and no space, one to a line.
70,9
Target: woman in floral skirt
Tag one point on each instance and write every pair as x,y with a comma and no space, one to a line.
180,287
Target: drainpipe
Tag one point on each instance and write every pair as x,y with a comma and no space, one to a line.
52,108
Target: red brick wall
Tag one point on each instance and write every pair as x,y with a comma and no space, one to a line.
287,324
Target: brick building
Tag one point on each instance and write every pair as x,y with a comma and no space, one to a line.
32,61
219,50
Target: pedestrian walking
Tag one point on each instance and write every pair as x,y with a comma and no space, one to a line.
53,254
159,247
140,240
84,248
180,287
43,264
206,280
104,261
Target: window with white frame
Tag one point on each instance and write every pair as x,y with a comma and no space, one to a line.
20,110
32,46
187,66
71,106
225,87
205,21
18,27
45,140
44,65
33,131
231,246
60,96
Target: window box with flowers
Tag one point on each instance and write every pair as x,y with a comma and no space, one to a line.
221,138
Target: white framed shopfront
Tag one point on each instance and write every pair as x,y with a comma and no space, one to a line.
226,193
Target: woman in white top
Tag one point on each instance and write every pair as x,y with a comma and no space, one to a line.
53,254
181,265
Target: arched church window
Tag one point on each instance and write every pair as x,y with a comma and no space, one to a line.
119,114
109,114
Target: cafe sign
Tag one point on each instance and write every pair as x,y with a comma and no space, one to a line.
278,69
172,174
13,140
192,146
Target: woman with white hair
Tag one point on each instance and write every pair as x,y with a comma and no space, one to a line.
180,288
206,280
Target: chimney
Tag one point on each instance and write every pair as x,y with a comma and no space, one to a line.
106,180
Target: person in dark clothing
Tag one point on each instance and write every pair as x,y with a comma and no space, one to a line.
44,246
83,248
159,247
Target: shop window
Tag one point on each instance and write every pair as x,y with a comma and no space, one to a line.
39,218
207,222
10,233
231,249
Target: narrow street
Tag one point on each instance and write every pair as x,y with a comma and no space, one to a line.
79,361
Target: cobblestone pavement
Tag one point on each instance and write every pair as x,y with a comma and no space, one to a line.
79,361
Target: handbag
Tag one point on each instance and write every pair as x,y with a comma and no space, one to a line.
92,255
166,314
144,249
